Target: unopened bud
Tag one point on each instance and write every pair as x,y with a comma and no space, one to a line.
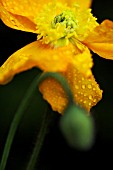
77,127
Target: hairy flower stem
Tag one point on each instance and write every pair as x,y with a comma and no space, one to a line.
21,110
46,119
39,142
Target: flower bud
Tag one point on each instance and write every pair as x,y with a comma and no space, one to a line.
77,127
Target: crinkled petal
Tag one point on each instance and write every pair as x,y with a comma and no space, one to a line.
16,21
39,55
21,15
27,8
30,8
83,60
100,40
85,90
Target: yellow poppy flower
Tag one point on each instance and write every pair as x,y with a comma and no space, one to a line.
66,30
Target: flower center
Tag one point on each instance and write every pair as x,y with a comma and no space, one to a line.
57,24
67,19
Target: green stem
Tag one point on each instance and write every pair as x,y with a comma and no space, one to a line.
45,122
15,122
23,105
39,142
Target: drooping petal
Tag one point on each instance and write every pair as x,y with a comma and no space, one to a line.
38,55
16,21
83,60
100,40
86,91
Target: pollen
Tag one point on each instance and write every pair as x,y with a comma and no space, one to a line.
67,19
57,24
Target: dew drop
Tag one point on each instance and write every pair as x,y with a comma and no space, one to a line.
89,104
89,86
90,97
94,100
81,100
76,87
76,95
83,86
14,23
85,94
84,101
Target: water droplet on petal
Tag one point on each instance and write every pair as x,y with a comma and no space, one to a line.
90,97
85,94
89,104
94,100
76,87
83,86
89,86
84,101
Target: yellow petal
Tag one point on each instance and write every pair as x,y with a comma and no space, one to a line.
31,8
39,55
85,90
21,15
100,40
28,8
83,60
83,3
16,21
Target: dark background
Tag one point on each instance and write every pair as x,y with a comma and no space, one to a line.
55,154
